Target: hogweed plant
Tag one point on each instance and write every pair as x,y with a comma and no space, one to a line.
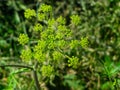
54,42
55,39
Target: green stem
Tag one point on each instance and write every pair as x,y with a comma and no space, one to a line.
33,69
35,76
36,80
21,66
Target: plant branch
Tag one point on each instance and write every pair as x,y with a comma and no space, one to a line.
35,76
33,69
36,80
21,66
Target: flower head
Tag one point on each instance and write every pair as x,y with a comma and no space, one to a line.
51,22
57,56
23,39
38,27
29,13
61,20
39,56
75,19
45,8
74,44
41,17
26,55
84,42
47,70
38,51
73,61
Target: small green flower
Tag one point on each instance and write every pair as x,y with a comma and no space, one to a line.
62,28
38,51
61,20
26,55
47,70
40,46
29,13
57,56
68,33
38,27
44,35
45,8
61,43
84,42
41,17
23,39
75,19
51,44
50,30
73,62
59,35
74,43
39,56
51,37
51,22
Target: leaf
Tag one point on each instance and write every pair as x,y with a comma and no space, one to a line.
17,18
20,71
3,43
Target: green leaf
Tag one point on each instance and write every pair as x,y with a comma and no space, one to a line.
3,43
20,71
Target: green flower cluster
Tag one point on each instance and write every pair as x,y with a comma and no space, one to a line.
41,16
47,70
61,20
84,42
51,22
43,12
29,13
55,40
38,27
55,34
73,62
26,55
38,51
40,46
63,32
74,44
23,39
61,43
75,19
57,56
45,8
39,56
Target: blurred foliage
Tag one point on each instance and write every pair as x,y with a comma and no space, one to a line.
99,65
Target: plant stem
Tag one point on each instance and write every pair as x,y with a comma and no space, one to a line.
35,76
21,66
36,80
33,69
